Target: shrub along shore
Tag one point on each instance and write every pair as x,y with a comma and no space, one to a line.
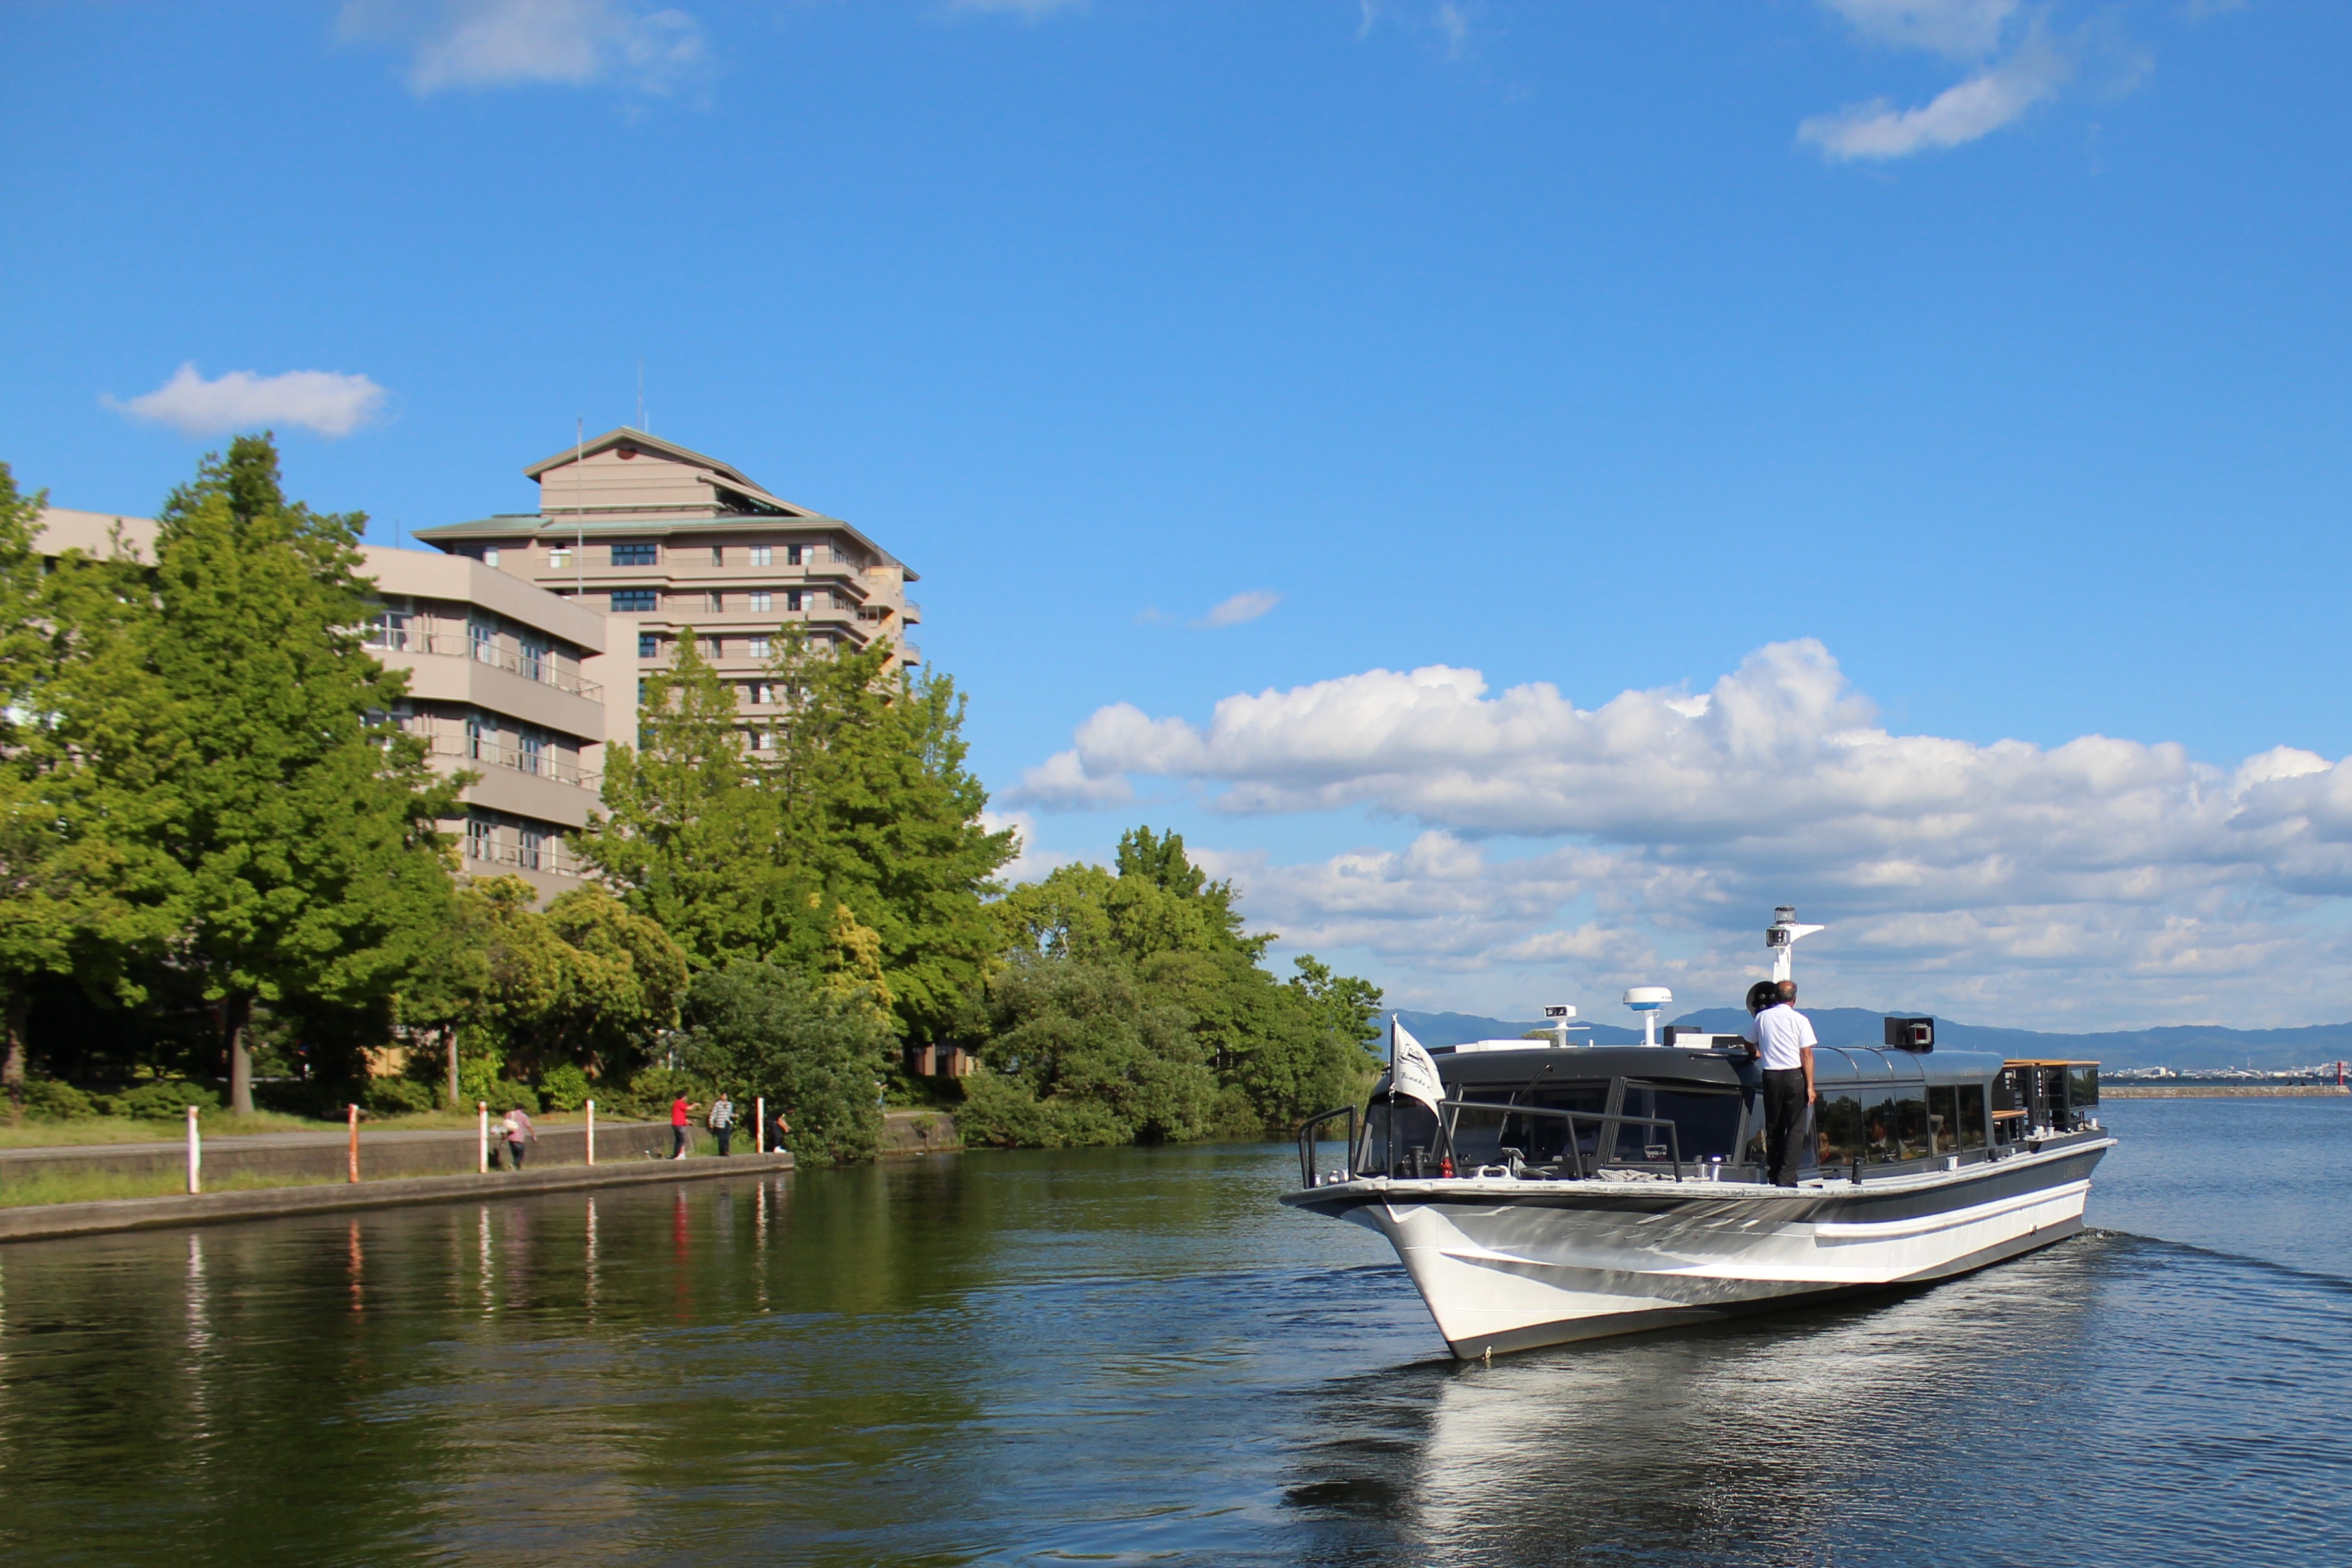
227,885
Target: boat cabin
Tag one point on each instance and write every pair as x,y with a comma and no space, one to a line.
1551,1112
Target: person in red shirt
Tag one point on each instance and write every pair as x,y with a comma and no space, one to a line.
680,1110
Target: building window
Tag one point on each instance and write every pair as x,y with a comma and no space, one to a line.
534,660
763,555
759,648
634,555
482,641
528,857
531,748
633,600
715,601
473,738
764,693
389,630
490,556
873,613
718,555
558,557
649,646
762,602
794,600
760,739
796,555
477,839
714,647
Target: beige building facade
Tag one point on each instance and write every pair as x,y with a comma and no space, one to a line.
668,543
505,681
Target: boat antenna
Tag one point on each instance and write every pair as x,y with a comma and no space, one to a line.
1781,937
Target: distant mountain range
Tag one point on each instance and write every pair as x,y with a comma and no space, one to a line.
2184,1048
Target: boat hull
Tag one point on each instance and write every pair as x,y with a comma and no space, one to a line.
1508,1265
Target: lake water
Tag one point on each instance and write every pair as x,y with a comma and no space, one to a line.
1135,1356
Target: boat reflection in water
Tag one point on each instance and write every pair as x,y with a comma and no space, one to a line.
1538,1192
1803,1437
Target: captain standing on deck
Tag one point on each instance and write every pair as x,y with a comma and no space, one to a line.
1784,1038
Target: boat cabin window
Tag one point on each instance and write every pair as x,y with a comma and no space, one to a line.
1704,1124
1392,1134
1484,1137
1838,1129
1972,1116
1944,1116
2081,1085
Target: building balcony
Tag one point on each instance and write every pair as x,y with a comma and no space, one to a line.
442,671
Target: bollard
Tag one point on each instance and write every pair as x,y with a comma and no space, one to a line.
592,1131
355,1144
195,1153
759,1119
482,1156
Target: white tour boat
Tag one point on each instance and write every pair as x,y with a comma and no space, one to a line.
1540,1192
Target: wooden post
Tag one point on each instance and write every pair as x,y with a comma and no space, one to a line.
759,1116
482,1155
195,1154
592,1131
354,1175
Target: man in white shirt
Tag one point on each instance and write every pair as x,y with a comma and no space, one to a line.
1784,1040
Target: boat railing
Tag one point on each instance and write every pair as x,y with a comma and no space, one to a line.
1308,1175
1359,1144
1604,1144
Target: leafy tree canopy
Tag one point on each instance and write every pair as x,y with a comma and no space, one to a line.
760,1030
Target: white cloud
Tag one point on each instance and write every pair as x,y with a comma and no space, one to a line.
501,43
330,404
1962,29
2118,879
1961,113
1241,607
1029,864
1999,91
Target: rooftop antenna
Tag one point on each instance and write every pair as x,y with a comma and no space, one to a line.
1782,936
1559,1013
1647,1000
641,395
580,511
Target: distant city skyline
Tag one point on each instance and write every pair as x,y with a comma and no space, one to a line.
1524,490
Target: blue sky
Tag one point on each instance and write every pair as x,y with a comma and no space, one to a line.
1937,373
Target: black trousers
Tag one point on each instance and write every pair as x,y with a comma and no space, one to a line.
724,1135
1784,1115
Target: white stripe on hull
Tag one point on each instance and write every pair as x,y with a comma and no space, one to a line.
1520,1271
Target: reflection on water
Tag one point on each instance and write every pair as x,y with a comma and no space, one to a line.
1134,1354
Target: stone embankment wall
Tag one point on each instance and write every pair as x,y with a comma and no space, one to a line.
906,1134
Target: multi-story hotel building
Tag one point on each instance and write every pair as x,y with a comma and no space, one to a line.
669,542
505,681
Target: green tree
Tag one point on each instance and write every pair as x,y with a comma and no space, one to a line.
302,820
1276,1052
77,895
1084,1053
852,853
688,835
877,807
760,1029
585,984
